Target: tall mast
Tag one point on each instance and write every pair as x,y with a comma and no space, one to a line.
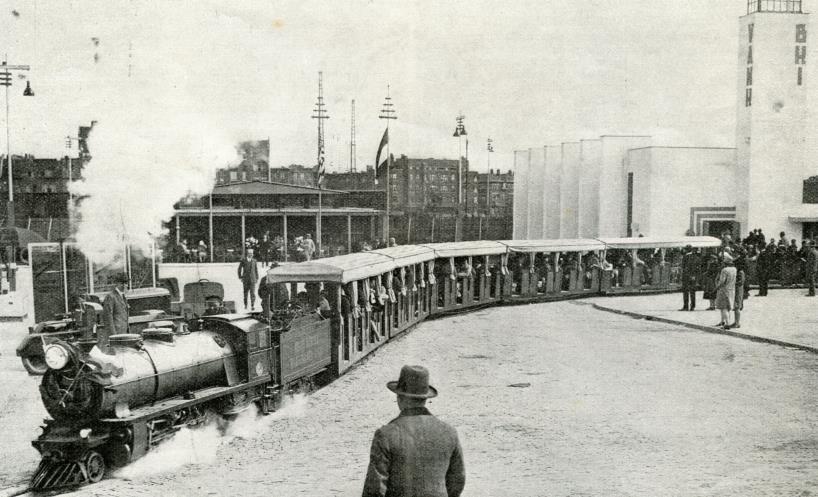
388,113
352,147
320,114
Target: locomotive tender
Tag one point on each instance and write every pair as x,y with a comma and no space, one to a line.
108,411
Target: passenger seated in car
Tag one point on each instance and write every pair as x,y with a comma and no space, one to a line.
323,308
214,305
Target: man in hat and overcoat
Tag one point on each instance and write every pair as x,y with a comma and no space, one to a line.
691,265
248,274
416,454
114,312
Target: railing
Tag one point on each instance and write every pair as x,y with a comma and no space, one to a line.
787,6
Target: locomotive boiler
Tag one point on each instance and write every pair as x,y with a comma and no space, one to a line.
141,370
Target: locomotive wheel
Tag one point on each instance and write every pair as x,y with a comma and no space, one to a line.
94,466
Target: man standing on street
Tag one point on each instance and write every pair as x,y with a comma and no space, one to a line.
811,267
416,454
691,265
114,313
248,274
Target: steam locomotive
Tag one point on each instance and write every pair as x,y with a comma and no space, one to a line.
110,410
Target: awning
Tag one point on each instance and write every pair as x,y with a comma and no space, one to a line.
805,213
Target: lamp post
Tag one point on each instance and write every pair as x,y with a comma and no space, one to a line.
459,133
68,141
6,72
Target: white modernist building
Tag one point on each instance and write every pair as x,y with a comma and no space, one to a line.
623,185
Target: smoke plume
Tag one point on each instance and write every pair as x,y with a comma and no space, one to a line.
164,125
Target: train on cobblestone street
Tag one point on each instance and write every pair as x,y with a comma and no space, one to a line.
321,318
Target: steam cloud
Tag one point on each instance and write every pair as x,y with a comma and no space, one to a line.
201,445
164,126
138,171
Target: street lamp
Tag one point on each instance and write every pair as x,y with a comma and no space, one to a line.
6,72
459,132
68,141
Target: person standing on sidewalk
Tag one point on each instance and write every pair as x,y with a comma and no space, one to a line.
710,274
738,304
726,290
811,267
690,273
764,268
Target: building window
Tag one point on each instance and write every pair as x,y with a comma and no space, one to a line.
810,192
234,176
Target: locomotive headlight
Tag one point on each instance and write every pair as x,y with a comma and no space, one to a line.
56,357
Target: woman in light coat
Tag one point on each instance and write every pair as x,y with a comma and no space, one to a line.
726,290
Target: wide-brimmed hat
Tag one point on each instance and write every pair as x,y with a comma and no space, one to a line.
728,257
413,382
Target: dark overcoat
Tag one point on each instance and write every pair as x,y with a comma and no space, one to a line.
812,261
114,317
416,454
691,266
248,272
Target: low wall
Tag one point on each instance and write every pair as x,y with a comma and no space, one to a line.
19,304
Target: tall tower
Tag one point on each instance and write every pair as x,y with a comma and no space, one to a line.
320,114
771,121
352,147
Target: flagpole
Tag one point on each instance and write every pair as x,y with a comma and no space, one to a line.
387,113
319,113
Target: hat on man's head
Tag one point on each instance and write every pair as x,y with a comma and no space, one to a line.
728,257
413,382
120,278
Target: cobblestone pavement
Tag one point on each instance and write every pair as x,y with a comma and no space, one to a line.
551,399
784,314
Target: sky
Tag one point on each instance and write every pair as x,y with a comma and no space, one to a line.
525,73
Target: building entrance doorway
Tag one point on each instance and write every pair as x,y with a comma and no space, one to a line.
809,230
719,228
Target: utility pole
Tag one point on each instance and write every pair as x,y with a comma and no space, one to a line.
319,113
459,133
352,147
489,150
6,71
388,113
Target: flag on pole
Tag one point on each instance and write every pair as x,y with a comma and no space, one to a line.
319,168
384,141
